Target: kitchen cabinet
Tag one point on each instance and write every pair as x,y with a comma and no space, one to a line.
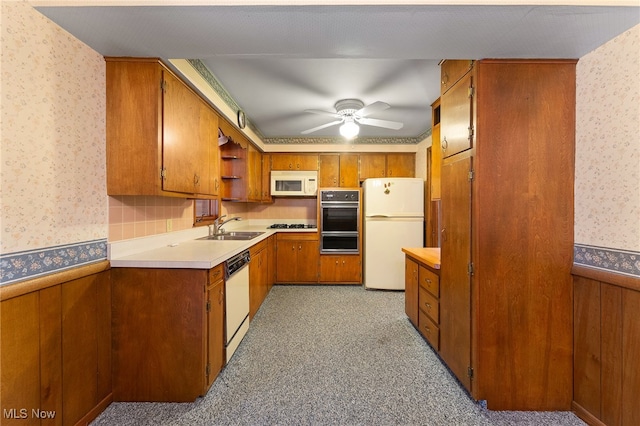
297,257
55,350
338,170
340,269
606,377
401,165
161,136
254,172
265,195
259,277
411,290
451,71
507,233
294,161
372,166
387,165
168,326
456,124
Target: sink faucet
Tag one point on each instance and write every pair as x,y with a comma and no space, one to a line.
219,223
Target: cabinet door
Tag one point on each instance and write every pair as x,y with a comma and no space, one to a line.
180,137
307,261
254,172
294,162
256,284
265,195
456,127
329,175
349,170
451,71
215,329
372,166
286,260
455,293
411,290
401,165
210,182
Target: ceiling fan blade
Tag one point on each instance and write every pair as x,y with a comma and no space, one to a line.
372,108
333,123
395,125
321,112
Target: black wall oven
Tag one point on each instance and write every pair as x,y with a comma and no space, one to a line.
340,221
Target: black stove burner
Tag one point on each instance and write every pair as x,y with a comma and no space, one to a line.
291,226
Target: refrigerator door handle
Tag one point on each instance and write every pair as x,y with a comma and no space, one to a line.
378,215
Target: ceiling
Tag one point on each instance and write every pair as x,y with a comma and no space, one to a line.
275,62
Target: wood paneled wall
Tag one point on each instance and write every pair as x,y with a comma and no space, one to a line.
606,347
55,348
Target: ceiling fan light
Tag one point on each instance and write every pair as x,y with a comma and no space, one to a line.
349,130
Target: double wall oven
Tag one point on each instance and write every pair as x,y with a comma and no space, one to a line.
340,221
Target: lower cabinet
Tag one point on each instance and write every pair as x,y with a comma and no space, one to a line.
340,269
606,371
168,332
297,257
422,304
260,273
55,348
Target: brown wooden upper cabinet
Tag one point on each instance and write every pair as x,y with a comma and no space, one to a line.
161,136
294,161
451,71
456,126
338,170
377,165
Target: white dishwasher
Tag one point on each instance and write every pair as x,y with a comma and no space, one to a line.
237,300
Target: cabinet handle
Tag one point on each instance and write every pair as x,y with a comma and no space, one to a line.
428,281
444,234
217,183
290,166
445,79
196,179
444,144
300,247
428,306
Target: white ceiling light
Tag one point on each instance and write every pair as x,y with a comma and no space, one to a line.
349,129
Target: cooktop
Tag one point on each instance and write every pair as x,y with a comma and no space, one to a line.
291,226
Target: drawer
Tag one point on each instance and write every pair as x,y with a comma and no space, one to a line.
429,330
216,273
429,305
429,281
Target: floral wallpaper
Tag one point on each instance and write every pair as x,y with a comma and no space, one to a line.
607,183
53,182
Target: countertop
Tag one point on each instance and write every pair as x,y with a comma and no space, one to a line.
430,256
183,249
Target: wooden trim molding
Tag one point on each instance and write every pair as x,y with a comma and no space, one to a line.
626,281
586,416
35,284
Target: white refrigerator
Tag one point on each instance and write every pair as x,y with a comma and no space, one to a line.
393,218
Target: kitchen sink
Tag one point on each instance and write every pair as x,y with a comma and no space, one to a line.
233,236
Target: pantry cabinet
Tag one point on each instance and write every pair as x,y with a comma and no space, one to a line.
297,257
507,232
340,269
338,170
161,136
168,328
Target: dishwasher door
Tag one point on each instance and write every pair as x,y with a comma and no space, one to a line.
237,308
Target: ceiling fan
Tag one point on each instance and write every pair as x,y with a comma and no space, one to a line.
350,113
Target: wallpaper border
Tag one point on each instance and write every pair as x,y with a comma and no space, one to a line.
24,265
607,259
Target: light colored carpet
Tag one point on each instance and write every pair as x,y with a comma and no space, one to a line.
330,355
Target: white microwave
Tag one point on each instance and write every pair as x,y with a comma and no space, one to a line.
294,183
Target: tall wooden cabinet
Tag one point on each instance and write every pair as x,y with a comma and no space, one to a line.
507,232
161,136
